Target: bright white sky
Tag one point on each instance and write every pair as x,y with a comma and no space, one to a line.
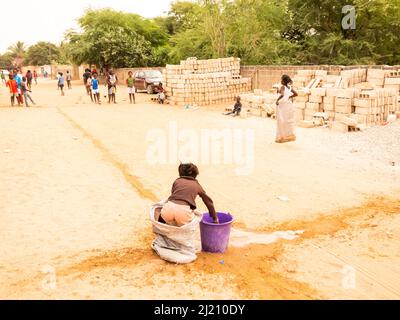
31,21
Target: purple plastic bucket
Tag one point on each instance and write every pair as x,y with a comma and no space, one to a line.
215,237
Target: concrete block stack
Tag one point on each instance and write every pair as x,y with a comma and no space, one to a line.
373,106
205,82
259,102
392,81
303,78
376,77
348,99
353,76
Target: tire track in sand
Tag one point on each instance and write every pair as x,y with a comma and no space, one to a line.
118,164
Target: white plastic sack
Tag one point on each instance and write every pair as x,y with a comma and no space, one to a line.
172,243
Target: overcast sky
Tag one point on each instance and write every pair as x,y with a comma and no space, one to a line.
34,20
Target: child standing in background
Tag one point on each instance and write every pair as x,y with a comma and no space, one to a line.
111,84
35,76
13,86
24,90
29,77
61,82
130,82
18,78
69,78
89,87
95,89
161,94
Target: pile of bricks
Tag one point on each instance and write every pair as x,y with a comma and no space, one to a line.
204,82
392,80
259,102
352,77
348,100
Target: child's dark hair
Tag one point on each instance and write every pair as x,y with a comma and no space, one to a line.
188,170
286,80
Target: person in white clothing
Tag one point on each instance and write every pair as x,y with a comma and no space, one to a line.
285,111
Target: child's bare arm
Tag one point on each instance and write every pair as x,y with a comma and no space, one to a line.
210,206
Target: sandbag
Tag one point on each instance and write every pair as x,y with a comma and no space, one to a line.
172,243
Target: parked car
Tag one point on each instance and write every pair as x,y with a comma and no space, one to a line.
148,80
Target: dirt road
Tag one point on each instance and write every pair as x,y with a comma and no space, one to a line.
77,181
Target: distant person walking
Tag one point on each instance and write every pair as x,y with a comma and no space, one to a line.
285,111
13,86
61,83
68,77
35,76
95,89
25,91
130,82
111,84
29,77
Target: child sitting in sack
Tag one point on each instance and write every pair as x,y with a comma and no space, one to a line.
178,211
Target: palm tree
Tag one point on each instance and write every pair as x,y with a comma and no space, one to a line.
17,50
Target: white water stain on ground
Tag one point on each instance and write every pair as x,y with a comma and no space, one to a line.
239,238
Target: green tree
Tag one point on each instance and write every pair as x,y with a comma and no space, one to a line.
17,50
117,39
42,53
6,60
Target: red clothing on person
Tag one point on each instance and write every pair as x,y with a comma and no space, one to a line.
12,84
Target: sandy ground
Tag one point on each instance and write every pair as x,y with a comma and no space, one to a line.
77,182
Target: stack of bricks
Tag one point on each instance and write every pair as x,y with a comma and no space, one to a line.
392,81
348,98
373,106
342,104
376,77
352,77
204,82
303,77
259,102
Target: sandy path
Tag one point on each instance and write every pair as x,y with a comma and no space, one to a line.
307,172
76,187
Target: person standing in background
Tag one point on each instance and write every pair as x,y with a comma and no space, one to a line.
29,77
24,90
285,112
86,76
3,77
95,89
12,85
35,76
89,86
130,82
18,79
58,80
61,82
68,77
111,84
